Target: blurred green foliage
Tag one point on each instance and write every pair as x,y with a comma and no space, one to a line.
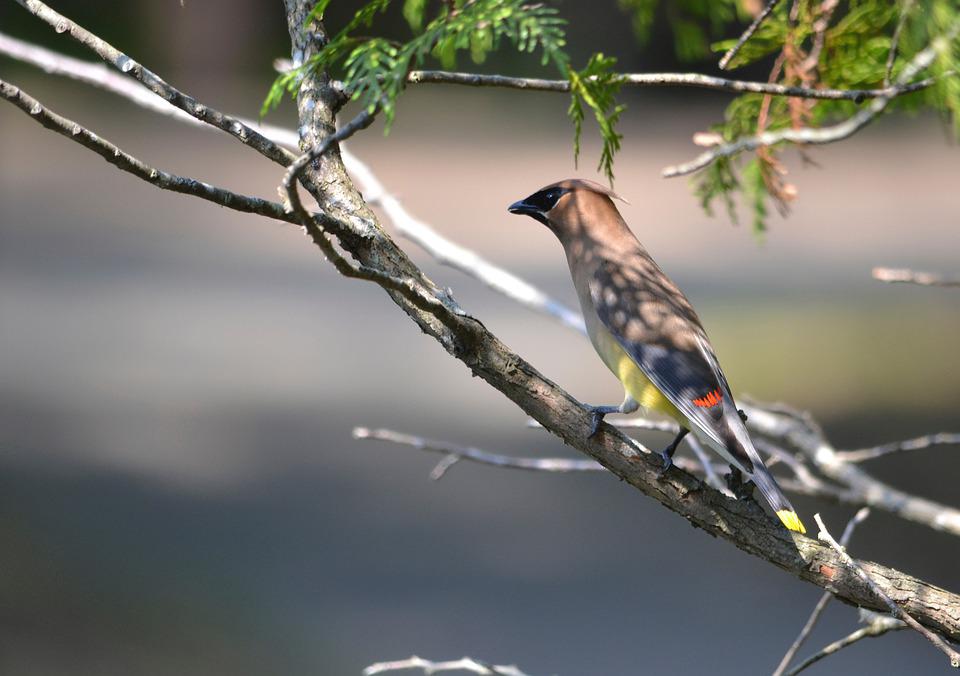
808,43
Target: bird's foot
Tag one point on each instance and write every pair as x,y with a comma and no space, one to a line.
597,413
743,416
742,490
667,456
667,453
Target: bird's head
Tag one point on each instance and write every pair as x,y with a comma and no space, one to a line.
567,207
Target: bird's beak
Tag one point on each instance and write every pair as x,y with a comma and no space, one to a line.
523,208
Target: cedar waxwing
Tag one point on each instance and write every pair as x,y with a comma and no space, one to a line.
646,331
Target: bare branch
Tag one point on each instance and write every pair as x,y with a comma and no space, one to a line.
157,85
859,487
907,276
98,75
879,624
822,135
917,444
895,40
130,164
747,34
429,667
894,607
818,609
695,80
477,455
710,473
632,423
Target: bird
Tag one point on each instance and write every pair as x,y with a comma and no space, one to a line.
648,334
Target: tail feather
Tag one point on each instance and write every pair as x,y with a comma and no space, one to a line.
776,499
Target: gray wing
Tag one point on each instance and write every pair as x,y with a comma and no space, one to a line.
655,324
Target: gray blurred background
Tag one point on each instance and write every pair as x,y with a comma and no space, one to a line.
179,491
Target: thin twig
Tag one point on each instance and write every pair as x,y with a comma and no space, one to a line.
240,131
907,276
632,423
747,34
429,667
825,598
710,473
454,453
696,80
477,455
917,444
879,624
130,164
895,609
895,41
822,135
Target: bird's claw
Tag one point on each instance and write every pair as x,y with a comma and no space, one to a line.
667,463
742,490
596,417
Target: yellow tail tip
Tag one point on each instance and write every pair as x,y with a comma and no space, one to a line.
791,520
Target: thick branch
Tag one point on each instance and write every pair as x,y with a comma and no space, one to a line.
695,80
744,524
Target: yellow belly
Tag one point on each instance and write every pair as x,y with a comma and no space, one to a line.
636,384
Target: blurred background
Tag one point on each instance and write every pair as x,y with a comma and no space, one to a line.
179,490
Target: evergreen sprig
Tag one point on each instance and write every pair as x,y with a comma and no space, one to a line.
855,48
597,86
803,42
374,69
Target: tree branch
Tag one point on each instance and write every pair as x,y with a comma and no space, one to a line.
454,453
879,625
748,33
822,135
130,164
821,605
866,490
895,40
157,85
906,276
744,524
862,489
695,80
917,444
429,667
894,607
